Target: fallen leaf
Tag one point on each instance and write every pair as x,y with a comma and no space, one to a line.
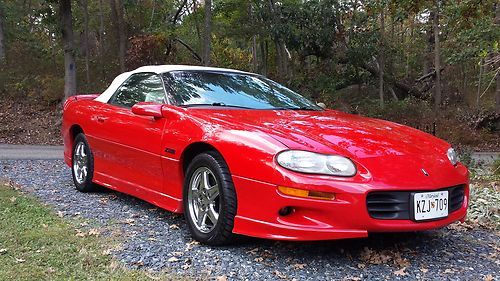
280,274
3,251
401,272
51,270
79,233
253,251
173,226
352,278
424,270
139,263
191,244
13,199
299,265
173,259
185,266
20,260
94,232
221,278
399,261
60,214
489,277
370,256
361,265
129,221
259,259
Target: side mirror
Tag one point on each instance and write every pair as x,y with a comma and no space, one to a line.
148,109
322,105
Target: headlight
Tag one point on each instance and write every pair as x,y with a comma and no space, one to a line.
315,163
452,155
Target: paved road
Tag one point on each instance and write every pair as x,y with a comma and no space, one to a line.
30,152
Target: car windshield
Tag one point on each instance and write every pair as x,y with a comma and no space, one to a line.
205,88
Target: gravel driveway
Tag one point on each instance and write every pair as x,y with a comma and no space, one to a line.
156,239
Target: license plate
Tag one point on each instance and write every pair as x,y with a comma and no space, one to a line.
430,205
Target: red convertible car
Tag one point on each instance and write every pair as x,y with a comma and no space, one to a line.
238,153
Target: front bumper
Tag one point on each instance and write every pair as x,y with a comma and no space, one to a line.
345,217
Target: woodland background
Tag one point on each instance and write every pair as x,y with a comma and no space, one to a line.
372,57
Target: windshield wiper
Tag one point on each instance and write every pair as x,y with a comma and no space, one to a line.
214,104
295,108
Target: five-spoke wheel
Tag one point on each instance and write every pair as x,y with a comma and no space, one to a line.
203,199
209,199
82,164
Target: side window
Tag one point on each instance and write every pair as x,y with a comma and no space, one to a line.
139,87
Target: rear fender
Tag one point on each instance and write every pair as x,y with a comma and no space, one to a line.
80,97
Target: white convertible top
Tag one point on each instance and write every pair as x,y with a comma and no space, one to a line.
106,95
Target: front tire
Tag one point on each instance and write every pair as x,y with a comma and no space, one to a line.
209,199
82,164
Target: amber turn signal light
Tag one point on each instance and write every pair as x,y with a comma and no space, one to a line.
306,193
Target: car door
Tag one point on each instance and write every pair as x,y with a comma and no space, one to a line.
128,146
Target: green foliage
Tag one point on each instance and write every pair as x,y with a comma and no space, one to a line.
325,49
409,109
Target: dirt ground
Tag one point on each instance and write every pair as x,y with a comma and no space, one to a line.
29,123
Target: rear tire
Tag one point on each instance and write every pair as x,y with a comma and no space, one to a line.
82,164
209,199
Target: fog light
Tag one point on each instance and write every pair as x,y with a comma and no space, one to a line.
285,211
306,193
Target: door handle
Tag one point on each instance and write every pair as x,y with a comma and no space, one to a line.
101,119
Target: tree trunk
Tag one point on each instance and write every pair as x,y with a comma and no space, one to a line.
279,59
381,60
102,44
429,35
119,26
69,48
479,83
437,61
255,61
197,25
208,33
153,10
263,53
497,67
85,8
121,32
2,37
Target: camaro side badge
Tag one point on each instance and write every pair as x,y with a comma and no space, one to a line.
425,172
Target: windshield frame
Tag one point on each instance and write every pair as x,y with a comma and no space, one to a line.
168,78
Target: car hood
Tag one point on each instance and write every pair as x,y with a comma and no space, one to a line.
375,144
324,131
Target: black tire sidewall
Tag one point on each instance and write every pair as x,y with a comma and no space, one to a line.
87,185
222,232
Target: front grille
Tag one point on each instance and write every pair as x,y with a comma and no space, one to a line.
456,197
395,205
